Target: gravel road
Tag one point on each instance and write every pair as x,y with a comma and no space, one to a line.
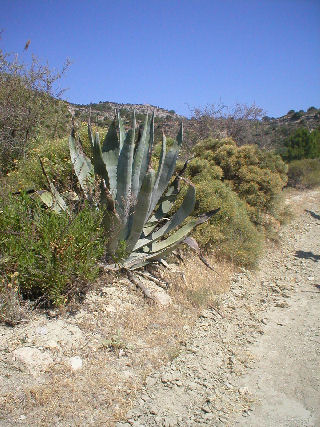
254,359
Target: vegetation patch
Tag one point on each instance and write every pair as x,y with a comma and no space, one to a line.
48,257
304,173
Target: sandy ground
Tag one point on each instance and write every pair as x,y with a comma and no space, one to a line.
286,376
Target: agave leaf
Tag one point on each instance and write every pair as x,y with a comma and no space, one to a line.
167,171
122,132
91,139
52,201
82,165
141,209
124,174
177,219
148,152
58,203
192,243
140,158
110,155
180,234
99,165
182,213
165,204
46,197
161,160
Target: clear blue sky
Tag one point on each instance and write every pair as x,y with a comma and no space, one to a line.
175,52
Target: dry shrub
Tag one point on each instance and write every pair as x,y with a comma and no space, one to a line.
12,308
198,286
304,173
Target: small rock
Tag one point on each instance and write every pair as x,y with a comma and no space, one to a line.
51,344
162,298
150,381
310,278
42,330
32,357
243,390
282,305
208,416
75,363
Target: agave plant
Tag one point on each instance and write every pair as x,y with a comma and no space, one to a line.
135,199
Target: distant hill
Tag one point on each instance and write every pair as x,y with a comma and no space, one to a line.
309,119
275,130
269,132
104,111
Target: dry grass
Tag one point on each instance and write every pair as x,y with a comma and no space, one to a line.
126,338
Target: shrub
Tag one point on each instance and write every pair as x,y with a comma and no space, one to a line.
304,173
257,176
48,255
230,232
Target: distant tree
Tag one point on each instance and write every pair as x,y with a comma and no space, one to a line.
290,112
296,115
311,109
241,122
302,145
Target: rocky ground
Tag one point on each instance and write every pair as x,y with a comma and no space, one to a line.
251,359
255,360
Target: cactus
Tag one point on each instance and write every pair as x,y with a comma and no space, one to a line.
132,195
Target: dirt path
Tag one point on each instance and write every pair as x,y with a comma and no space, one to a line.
254,360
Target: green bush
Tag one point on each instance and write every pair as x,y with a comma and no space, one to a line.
48,256
304,173
302,145
257,176
230,232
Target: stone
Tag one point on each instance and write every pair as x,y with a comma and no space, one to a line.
162,298
75,363
33,358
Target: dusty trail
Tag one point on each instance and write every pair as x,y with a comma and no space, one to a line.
255,360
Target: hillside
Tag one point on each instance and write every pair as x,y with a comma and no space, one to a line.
309,119
269,132
103,112
275,130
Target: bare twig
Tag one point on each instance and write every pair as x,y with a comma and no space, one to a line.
154,279
140,285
